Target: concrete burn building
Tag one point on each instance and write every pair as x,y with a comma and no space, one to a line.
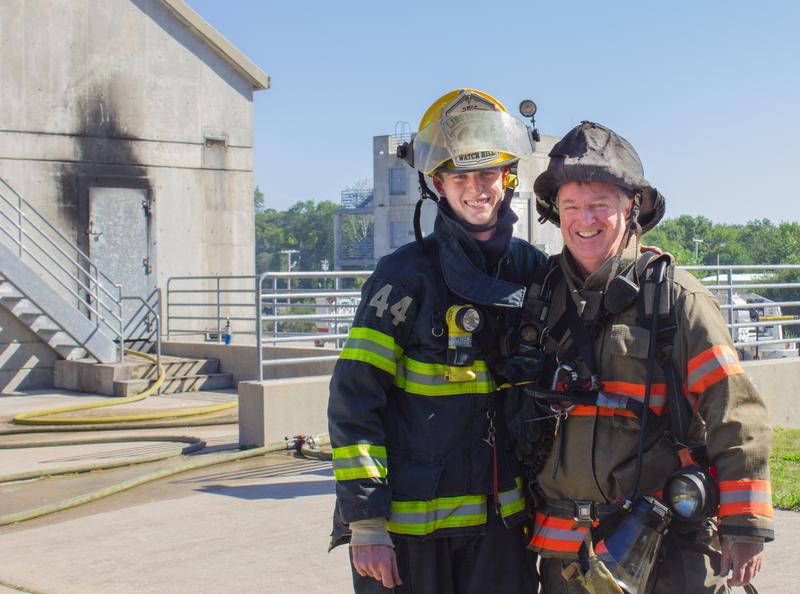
128,124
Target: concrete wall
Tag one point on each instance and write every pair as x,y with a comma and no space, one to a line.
240,359
122,93
26,363
278,408
778,382
269,411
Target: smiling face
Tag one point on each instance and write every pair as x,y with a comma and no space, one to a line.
474,196
593,219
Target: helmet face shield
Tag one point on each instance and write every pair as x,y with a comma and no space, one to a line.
471,140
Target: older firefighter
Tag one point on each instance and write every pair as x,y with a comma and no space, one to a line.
658,441
426,488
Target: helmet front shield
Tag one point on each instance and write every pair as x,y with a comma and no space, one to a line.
471,140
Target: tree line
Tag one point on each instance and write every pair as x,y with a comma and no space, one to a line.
697,240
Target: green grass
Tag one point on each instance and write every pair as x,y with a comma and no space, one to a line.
784,466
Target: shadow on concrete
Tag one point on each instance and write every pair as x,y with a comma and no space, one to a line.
290,468
274,491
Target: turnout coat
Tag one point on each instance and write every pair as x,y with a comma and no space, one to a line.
409,444
600,441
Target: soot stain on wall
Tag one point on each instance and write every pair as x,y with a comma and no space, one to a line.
105,152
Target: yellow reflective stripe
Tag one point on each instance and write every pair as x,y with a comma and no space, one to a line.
359,449
362,460
372,347
424,517
362,472
512,501
375,336
437,368
452,389
427,379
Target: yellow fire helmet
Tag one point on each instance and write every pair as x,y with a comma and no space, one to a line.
467,130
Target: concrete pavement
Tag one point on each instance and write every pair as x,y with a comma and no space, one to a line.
255,526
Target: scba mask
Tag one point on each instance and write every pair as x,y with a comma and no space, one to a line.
628,547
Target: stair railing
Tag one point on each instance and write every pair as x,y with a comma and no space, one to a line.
148,327
61,261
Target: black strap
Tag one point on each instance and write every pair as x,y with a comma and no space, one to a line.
567,509
656,274
581,337
425,193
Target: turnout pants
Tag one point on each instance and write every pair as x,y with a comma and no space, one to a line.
497,562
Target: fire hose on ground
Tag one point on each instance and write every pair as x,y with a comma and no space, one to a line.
46,421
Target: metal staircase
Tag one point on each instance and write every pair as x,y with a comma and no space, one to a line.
53,287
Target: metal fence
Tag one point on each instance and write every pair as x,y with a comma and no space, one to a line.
754,300
275,308
304,308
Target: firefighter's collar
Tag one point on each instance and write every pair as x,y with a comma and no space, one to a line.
596,281
466,280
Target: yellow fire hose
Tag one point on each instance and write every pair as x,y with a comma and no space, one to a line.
47,421
46,416
195,444
208,460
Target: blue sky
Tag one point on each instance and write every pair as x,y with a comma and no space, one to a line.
707,91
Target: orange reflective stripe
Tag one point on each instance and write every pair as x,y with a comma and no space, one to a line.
636,390
559,535
711,366
557,546
745,497
752,508
587,410
554,522
742,485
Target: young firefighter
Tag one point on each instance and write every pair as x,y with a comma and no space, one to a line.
425,484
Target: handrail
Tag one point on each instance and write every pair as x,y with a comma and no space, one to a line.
62,262
156,316
335,317
22,201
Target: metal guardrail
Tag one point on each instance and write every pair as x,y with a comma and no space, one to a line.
746,283
337,293
146,328
201,305
292,304
59,259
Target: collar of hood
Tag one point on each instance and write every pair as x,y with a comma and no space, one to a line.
598,280
463,266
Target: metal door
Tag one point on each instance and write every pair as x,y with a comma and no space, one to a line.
119,243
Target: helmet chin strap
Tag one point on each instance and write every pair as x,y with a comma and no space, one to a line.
425,193
632,227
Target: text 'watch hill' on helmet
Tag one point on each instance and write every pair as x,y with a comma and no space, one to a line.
593,153
467,130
